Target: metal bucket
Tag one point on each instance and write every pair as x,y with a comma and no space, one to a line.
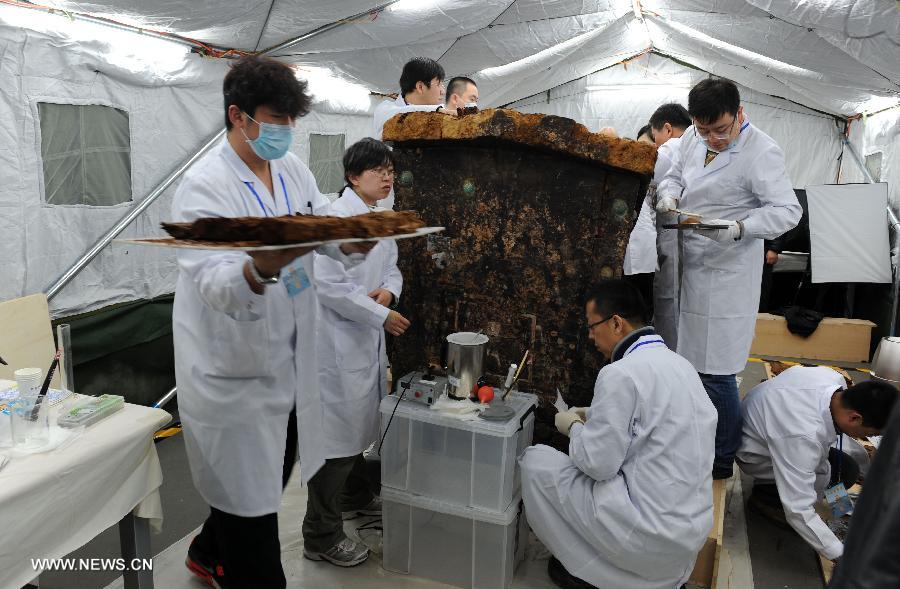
886,363
465,361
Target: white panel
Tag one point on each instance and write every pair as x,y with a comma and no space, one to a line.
848,232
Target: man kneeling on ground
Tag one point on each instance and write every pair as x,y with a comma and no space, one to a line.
631,504
790,425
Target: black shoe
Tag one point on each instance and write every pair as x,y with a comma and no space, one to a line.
722,472
204,568
563,578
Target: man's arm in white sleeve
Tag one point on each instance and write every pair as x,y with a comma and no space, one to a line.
393,279
794,460
339,293
779,210
672,184
219,277
598,447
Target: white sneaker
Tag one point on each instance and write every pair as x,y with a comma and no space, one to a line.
372,508
345,553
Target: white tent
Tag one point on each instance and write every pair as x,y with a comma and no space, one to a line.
806,69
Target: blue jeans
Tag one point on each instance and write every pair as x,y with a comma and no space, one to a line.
723,392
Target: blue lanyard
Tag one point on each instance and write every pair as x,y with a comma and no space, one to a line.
744,126
265,208
840,456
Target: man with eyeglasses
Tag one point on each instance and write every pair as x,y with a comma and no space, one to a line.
631,504
732,175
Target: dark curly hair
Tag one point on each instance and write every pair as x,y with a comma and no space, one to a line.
256,81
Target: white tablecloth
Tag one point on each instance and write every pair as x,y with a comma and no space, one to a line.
54,503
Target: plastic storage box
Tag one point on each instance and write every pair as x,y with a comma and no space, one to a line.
456,545
466,463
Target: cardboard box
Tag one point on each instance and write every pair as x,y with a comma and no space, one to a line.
836,339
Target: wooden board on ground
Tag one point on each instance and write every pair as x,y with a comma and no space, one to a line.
26,340
827,568
707,563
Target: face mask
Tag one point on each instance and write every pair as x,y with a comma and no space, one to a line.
273,141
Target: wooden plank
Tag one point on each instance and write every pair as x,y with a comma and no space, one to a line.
707,564
827,568
26,339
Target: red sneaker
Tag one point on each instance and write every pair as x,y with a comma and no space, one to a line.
203,567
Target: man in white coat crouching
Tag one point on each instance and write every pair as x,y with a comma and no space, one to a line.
791,425
631,505
354,315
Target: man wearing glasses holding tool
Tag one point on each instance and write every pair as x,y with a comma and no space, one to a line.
731,175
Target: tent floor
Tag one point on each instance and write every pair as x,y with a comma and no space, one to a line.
756,552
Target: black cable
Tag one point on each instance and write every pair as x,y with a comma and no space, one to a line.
403,389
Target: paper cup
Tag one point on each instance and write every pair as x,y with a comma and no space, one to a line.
29,381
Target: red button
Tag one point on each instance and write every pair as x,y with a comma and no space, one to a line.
418,393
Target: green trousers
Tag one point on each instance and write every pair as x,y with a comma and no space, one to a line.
340,485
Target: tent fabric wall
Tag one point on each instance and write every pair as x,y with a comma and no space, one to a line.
168,123
624,97
833,55
567,57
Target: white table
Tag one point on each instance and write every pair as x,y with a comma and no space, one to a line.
56,502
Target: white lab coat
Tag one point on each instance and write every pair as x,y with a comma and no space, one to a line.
720,282
351,345
654,249
631,505
242,360
787,433
383,112
640,253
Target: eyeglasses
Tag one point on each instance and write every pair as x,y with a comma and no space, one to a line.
389,172
591,326
715,134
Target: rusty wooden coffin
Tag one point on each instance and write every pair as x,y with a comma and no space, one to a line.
536,209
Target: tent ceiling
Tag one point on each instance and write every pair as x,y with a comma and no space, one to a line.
832,55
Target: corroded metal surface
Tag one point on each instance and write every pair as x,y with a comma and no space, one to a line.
558,134
528,231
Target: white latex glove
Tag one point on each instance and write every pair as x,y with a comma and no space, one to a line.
731,233
581,412
666,204
564,421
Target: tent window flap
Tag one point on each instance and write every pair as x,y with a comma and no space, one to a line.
86,154
326,153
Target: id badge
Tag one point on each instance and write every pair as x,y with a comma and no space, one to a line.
838,500
294,278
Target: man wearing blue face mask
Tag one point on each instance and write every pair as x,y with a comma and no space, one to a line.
244,334
733,175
